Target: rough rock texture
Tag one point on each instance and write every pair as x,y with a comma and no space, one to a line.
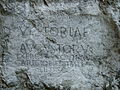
59,45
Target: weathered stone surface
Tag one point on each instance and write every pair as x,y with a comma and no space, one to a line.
59,44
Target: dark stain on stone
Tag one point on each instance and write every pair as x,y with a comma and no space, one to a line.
45,3
118,51
49,87
51,40
3,11
32,22
19,0
24,79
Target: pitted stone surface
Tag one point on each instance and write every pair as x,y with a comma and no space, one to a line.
59,45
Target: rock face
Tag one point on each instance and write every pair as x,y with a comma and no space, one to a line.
60,45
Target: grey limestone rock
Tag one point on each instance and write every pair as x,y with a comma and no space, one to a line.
59,44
